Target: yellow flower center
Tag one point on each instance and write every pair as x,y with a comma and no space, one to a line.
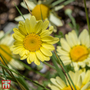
40,11
79,53
4,55
32,42
69,88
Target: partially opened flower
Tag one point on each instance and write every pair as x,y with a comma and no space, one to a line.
75,50
6,54
77,78
32,40
42,9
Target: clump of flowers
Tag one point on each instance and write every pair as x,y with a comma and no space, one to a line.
33,40
75,50
6,53
78,79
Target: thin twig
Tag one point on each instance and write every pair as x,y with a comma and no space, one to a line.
28,7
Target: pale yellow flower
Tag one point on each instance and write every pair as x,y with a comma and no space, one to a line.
42,7
77,78
75,50
32,40
5,44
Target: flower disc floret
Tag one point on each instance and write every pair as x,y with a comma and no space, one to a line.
33,40
79,53
40,11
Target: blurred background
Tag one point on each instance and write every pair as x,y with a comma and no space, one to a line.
8,12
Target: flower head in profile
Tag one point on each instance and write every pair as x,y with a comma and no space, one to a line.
6,53
43,9
75,50
33,41
77,78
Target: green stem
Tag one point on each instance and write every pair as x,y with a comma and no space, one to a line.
4,73
58,69
87,16
19,12
4,60
26,66
60,1
24,77
67,2
41,13
73,22
56,2
65,72
9,72
49,65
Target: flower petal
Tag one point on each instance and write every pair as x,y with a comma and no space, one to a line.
17,65
51,29
27,26
85,87
28,59
20,18
45,25
50,39
72,39
84,38
53,87
54,82
1,34
16,37
58,7
38,27
55,20
10,41
22,28
60,82
23,57
46,51
39,55
65,58
32,23
61,51
37,62
32,56
16,31
44,33
48,46
65,45
30,4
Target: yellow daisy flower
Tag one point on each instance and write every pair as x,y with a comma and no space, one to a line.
32,40
77,78
43,7
75,50
6,44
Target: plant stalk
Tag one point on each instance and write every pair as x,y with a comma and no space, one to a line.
87,16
